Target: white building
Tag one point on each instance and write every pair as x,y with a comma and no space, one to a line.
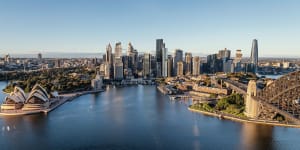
164,62
97,83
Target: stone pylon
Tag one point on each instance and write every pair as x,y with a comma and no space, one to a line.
252,106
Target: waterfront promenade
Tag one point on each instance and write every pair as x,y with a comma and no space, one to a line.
54,103
233,118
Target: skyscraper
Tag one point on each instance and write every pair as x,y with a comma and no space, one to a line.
254,55
170,66
118,69
159,48
108,55
133,58
118,50
146,65
178,56
238,56
130,49
108,62
7,59
107,70
40,56
180,68
188,63
196,65
164,62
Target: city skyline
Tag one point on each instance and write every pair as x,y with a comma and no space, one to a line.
197,27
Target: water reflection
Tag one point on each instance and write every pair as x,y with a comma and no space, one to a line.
135,117
24,128
257,137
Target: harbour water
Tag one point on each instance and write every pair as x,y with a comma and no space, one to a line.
136,117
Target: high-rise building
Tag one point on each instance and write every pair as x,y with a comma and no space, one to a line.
159,48
109,59
224,54
107,70
164,62
118,69
228,66
237,61
7,59
127,67
238,56
146,65
135,62
130,55
133,58
254,55
108,55
97,83
214,64
118,50
57,63
40,57
130,49
178,56
180,68
188,63
170,66
196,65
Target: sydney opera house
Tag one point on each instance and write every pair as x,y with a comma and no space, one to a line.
37,99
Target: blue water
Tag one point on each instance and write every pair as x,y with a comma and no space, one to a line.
136,117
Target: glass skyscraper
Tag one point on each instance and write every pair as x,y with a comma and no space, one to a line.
254,55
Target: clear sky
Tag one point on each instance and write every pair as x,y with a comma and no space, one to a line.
198,26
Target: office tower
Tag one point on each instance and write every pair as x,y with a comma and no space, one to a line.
108,55
109,59
188,63
254,55
133,58
178,56
170,66
57,63
196,66
228,66
40,57
107,70
214,64
7,59
164,62
224,54
130,55
237,61
130,49
118,69
118,50
135,62
126,60
159,49
238,56
153,66
180,68
97,83
146,65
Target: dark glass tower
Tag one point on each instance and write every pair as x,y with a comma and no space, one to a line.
254,55
159,48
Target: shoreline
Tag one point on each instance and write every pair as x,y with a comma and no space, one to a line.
63,98
244,120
